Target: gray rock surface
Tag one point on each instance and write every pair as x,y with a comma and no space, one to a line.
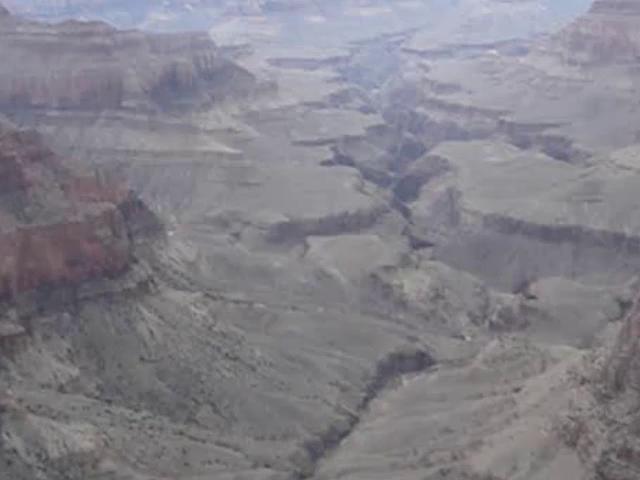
407,257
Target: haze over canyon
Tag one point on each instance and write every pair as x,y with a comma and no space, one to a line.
292,239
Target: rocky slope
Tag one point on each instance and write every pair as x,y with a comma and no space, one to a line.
60,231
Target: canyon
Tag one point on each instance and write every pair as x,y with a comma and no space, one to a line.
358,241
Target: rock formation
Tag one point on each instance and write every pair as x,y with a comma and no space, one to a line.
57,228
74,65
607,33
401,263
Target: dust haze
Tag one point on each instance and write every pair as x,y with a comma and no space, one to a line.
319,240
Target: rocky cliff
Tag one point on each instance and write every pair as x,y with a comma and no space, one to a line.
57,227
74,65
608,32
622,371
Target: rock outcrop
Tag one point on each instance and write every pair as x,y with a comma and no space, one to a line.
57,227
601,425
621,373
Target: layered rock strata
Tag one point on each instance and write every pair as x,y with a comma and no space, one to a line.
93,66
58,227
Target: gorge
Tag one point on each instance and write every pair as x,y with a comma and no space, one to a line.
358,240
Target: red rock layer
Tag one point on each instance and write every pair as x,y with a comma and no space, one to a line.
80,229
92,188
63,253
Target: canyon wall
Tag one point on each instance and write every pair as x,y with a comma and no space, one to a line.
607,33
72,65
58,227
